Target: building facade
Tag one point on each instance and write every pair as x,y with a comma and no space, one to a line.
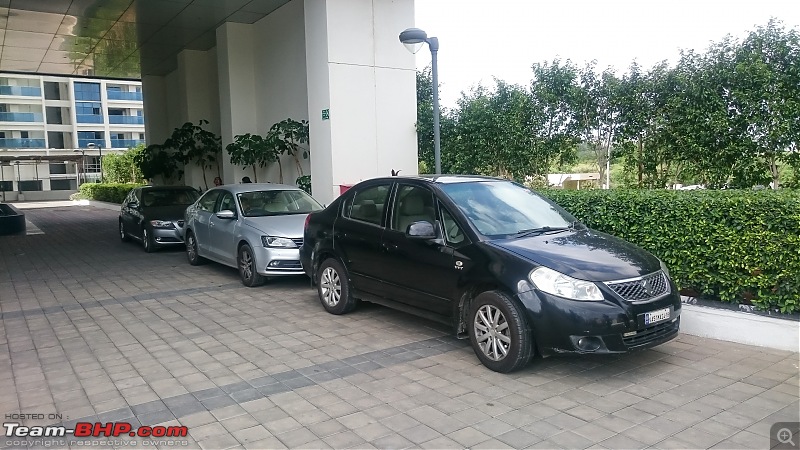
54,129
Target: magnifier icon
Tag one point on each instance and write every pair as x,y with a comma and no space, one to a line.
784,436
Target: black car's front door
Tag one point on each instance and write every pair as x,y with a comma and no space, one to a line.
419,272
357,236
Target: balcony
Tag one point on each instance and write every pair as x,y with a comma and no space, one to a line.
21,143
122,95
125,143
21,117
84,143
89,118
25,91
126,120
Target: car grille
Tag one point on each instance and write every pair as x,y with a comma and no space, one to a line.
641,289
298,241
652,333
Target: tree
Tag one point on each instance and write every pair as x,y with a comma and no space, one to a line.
287,137
251,150
195,144
122,167
156,160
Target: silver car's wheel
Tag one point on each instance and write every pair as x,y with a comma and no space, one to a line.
247,268
491,332
330,287
333,287
499,332
191,250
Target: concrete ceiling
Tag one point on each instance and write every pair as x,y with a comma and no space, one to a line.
113,38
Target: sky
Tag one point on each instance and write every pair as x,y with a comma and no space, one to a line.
482,39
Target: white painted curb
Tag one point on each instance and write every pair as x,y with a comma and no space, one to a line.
741,327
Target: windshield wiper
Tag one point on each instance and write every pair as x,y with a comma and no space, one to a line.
540,230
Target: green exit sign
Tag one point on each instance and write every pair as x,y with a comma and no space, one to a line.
326,114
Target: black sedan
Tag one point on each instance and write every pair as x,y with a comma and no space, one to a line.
507,268
153,215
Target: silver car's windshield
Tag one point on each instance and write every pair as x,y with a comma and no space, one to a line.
276,202
502,208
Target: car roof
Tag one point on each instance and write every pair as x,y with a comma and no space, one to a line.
250,187
442,179
167,188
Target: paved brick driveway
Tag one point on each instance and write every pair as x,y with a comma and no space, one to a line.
97,330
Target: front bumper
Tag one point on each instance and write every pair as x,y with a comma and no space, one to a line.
278,261
609,326
168,236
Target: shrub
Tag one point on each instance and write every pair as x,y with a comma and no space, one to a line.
106,192
737,246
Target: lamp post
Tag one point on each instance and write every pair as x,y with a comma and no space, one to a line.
100,156
413,38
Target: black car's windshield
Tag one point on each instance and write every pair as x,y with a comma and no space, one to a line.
276,202
505,209
154,198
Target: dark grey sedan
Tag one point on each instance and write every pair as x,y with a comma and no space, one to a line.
153,215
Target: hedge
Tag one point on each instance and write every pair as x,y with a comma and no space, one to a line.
735,246
106,192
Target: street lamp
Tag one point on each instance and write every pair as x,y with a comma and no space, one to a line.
100,156
413,38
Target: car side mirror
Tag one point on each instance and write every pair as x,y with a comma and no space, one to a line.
421,230
226,214
132,204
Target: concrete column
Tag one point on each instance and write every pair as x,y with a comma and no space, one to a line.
360,72
237,100
156,109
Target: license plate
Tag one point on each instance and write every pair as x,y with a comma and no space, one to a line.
656,316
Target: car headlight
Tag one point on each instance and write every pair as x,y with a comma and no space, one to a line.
556,283
664,268
274,241
162,224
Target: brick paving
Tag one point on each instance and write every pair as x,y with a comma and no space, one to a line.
97,330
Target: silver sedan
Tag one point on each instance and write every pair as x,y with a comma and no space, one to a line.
257,228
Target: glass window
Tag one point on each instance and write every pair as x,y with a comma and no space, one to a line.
226,203
58,169
413,204
502,208
30,185
276,202
452,232
207,202
368,204
168,197
6,185
62,185
87,91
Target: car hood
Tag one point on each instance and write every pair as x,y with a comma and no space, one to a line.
584,254
289,225
164,212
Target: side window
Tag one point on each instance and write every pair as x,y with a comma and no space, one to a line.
452,232
368,204
207,202
226,203
413,204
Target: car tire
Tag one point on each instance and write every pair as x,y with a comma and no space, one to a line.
247,267
333,287
192,253
147,241
123,236
499,332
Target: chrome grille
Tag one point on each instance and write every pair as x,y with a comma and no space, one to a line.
298,241
641,289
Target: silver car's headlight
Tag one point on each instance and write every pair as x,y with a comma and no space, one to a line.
162,224
556,283
275,241
664,268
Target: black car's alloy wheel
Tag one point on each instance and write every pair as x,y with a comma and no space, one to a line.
123,236
247,268
334,288
191,250
147,241
499,333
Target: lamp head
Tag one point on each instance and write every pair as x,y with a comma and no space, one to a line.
413,38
